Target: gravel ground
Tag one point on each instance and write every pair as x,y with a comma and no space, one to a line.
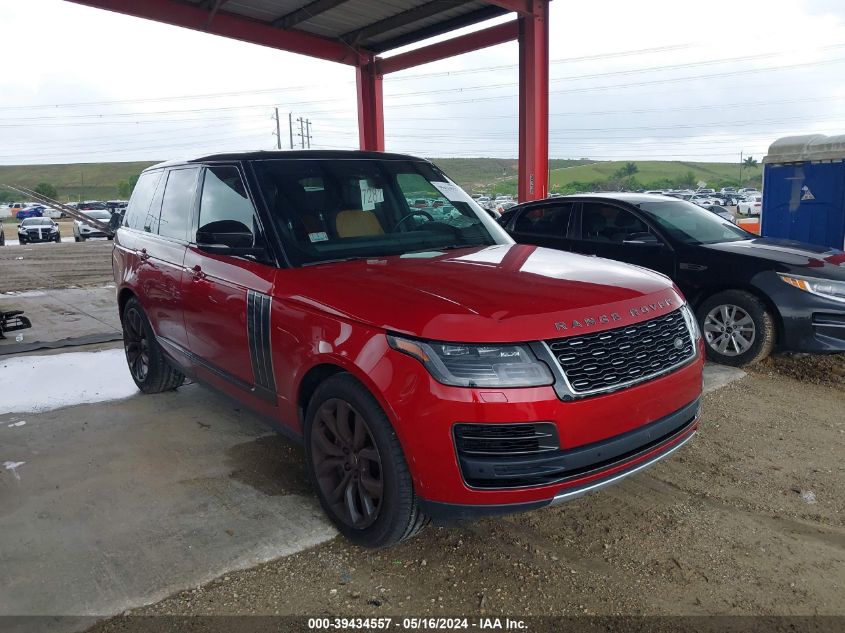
749,518
65,265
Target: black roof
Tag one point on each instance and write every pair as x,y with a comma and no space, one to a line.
310,154
621,196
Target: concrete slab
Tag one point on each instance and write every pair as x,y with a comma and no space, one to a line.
718,376
109,506
66,313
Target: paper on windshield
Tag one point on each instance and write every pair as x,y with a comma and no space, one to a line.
370,196
452,191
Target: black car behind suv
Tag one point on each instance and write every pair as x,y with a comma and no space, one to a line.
751,294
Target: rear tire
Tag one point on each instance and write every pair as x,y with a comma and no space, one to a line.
738,328
357,466
147,364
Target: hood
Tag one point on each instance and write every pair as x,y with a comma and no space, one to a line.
797,257
502,293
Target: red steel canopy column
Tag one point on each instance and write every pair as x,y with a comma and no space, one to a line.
534,104
370,107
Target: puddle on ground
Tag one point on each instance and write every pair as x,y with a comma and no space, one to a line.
52,381
272,464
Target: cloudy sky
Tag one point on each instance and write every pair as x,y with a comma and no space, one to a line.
662,80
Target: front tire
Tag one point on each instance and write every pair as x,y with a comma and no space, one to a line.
147,364
738,328
357,466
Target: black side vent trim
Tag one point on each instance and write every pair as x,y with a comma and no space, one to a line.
258,332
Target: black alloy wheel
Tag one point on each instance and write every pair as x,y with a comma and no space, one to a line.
347,463
136,343
150,370
357,466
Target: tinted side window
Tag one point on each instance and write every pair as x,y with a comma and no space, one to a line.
605,223
139,204
176,204
547,221
224,198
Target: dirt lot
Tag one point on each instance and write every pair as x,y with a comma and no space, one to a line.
65,265
747,519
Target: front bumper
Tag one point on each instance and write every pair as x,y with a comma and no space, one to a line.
809,323
602,437
35,237
446,513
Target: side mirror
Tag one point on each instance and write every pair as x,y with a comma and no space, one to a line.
228,237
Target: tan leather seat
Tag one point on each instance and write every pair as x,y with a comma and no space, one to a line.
357,223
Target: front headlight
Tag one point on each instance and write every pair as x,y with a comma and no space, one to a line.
473,365
822,287
692,324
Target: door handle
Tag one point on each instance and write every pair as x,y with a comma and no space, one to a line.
196,273
143,254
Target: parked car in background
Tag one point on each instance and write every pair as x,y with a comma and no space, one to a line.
82,230
432,367
750,294
33,211
116,206
752,205
52,213
703,200
38,229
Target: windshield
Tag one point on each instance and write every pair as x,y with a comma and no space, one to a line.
98,215
688,223
340,209
37,222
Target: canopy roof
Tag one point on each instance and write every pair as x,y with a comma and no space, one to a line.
797,149
374,25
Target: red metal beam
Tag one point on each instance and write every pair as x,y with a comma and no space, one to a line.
232,26
534,104
456,46
370,107
523,7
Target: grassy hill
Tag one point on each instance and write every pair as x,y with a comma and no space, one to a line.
650,174
79,181
489,175
480,174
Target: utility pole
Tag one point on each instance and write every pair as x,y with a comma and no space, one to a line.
740,170
304,132
290,128
278,130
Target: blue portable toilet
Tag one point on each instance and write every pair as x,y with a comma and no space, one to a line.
804,190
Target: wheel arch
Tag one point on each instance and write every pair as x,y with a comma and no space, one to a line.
123,297
312,379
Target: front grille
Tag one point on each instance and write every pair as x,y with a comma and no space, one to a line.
622,356
505,439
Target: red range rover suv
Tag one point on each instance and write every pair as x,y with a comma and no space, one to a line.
433,368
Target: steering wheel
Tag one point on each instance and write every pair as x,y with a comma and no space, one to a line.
412,214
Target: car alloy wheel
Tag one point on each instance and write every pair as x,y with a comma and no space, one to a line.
136,344
347,463
729,330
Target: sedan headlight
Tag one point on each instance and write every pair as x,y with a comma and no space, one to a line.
473,365
692,323
826,288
